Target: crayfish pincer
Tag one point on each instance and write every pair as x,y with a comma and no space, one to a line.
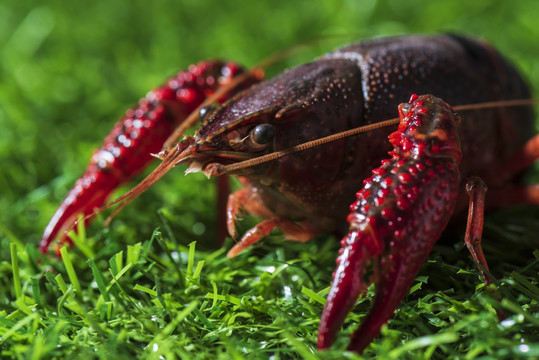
397,217
264,133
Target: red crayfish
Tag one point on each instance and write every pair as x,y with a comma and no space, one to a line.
405,202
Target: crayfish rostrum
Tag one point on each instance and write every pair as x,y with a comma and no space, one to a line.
403,203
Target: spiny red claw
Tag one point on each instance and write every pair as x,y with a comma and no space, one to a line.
390,239
141,132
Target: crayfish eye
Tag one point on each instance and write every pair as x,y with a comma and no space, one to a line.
204,111
262,134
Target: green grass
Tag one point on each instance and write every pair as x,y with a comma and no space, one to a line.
159,298
141,288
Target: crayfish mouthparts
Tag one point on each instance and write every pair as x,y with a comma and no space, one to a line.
203,158
182,150
213,169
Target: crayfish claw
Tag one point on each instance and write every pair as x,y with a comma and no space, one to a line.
360,262
397,218
392,286
346,288
348,283
89,192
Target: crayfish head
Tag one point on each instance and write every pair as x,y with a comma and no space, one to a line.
301,105
245,138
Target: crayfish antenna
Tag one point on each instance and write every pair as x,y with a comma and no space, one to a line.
218,169
227,169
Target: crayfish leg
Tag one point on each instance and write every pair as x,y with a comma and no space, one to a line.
259,231
223,190
520,195
244,200
519,162
250,202
291,231
502,192
476,189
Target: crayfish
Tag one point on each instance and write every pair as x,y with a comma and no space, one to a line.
402,204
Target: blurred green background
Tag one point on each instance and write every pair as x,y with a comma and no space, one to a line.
68,71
